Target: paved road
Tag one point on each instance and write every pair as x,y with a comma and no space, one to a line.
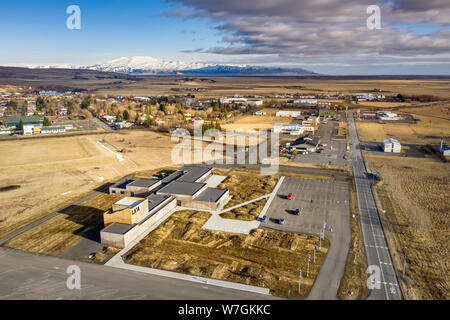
29,276
374,239
330,204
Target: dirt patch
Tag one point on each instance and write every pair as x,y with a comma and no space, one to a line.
265,258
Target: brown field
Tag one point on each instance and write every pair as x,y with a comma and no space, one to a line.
248,212
228,86
434,125
54,172
62,232
265,258
247,185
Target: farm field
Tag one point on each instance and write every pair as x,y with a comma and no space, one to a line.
265,258
228,86
412,198
249,122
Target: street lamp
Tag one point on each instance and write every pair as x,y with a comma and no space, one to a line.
404,261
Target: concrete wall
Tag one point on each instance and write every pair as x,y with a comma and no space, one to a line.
122,240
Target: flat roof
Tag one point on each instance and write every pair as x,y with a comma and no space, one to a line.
192,173
172,177
155,200
129,201
118,228
182,188
144,183
211,195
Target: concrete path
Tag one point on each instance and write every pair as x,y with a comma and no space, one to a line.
377,251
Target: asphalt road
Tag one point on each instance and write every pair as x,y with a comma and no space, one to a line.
30,276
330,203
377,250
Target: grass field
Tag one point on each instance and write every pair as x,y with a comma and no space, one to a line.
256,122
62,232
264,258
413,201
248,212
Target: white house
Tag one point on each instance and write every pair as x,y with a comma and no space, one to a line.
391,145
254,102
306,101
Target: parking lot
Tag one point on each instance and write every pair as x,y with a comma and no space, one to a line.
334,151
318,201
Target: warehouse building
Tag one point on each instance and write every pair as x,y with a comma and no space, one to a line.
391,145
288,113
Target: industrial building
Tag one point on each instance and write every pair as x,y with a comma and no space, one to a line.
146,201
391,145
305,144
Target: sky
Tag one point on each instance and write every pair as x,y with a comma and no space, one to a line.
325,36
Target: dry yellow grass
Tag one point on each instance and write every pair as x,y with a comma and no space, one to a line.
62,232
248,212
413,200
247,185
264,258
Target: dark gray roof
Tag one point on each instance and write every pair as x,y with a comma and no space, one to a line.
192,173
121,185
118,228
155,200
144,183
172,177
182,188
210,194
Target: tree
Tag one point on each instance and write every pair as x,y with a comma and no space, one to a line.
126,115
46,122
86,102
400,97
21,125
149,121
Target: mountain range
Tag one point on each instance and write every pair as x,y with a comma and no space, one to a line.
150,65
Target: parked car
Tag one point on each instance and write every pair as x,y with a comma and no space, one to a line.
91,255
263,219
297,211
289,196
281,221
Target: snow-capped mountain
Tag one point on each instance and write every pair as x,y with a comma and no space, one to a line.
150,65
145,64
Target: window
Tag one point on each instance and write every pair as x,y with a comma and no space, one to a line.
132,194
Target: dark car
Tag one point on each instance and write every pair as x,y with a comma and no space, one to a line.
281,221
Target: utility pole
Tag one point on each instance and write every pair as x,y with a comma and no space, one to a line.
300,281
315,248
309,260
